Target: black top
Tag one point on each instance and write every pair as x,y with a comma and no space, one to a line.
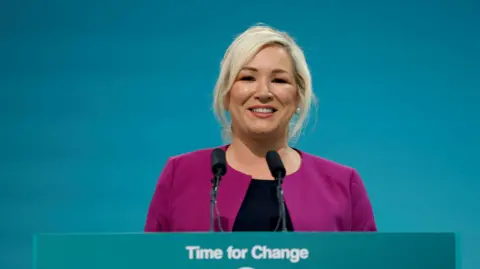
260,211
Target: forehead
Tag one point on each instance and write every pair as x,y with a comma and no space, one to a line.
270,57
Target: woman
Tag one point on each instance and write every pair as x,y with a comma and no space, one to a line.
265,87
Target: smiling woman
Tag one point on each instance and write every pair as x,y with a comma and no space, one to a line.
261,103
264,81
264,89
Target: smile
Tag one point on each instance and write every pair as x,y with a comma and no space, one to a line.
263,110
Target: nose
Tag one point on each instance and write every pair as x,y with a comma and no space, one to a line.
263,93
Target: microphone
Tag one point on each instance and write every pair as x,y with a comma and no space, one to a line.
277,169
219,169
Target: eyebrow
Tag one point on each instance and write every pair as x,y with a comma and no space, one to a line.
277,70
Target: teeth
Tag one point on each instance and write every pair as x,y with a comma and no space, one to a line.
263,110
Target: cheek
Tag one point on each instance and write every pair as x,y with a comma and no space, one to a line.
288,96
240,93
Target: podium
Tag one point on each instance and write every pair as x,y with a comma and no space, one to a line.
245,251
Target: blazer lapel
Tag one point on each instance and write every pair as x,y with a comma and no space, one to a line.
231,192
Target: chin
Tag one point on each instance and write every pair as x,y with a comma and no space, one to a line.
262,131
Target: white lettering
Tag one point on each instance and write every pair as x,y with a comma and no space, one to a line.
294,255
236,253
198,253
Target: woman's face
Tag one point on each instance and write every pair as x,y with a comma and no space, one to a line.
264,96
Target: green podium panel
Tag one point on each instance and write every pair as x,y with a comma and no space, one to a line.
245,250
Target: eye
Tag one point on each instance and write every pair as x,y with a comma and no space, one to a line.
280,80
247,78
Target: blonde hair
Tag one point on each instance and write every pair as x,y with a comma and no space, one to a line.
242,50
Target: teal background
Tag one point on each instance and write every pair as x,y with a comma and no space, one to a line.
96,95
327,250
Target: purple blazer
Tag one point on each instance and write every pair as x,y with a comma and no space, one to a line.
322,196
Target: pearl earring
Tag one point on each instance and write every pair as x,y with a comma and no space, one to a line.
298,110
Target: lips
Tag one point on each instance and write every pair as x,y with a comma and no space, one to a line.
263,109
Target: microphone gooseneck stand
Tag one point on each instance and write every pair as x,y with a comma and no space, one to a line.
213,203
281,203
277,169
219,168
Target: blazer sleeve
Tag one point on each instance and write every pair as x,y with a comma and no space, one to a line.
362,213
158,211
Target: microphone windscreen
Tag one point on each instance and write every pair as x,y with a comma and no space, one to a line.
275,165
219,162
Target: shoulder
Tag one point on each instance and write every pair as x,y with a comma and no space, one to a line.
195,156
333,173
345,184
193,162
328,170
184,168
325,166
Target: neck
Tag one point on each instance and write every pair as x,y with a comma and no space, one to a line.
250,150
